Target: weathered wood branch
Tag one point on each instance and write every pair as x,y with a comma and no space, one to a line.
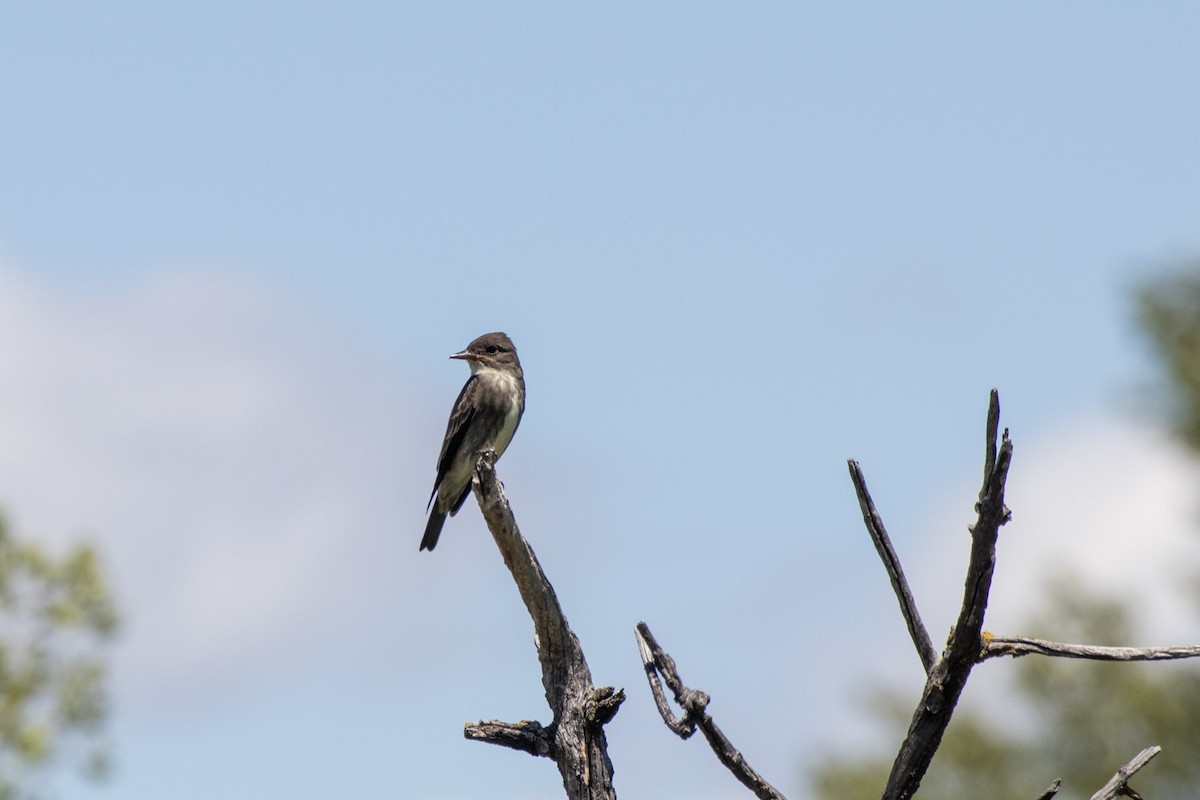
891,563
949,674
1016,646
1051,790
575,739
528,737
695,714
1118,785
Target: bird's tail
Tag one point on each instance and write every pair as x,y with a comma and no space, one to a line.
433,529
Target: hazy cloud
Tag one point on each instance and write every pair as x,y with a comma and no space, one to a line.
1108,501
234,460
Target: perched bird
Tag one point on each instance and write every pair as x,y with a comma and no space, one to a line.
485,417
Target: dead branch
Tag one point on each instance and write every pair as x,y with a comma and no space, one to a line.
528,737
695,714
968,644
1051,790
946,680
891,562
1118,785
575,739
1016,646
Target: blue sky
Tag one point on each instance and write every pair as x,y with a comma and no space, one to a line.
735,246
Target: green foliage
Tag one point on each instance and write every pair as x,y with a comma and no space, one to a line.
54,615
955,771
1101,714
1081,720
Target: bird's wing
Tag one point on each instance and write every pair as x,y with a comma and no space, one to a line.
456,430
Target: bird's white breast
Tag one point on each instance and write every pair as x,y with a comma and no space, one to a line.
507,383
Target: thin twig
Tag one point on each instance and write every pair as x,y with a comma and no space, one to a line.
576,739
694,704
994,646
891,563
1118,785
946,681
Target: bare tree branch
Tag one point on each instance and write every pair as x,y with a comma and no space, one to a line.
949,675
1017,646
528,737
1118,785
695,715
891,562
657,662
968,644
1051,790
575,739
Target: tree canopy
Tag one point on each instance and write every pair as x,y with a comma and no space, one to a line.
55,614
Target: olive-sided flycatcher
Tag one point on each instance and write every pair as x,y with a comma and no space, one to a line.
485,417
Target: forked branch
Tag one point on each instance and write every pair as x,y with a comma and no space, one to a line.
968,644
1118,785
946,680
575,739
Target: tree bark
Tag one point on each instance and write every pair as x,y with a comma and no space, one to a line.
575,738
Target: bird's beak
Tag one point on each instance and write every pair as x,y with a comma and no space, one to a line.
465,356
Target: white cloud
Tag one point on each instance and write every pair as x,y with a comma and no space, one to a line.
237,466
1106,500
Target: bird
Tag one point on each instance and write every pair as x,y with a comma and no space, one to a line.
485,417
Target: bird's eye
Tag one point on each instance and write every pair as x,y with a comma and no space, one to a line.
491,349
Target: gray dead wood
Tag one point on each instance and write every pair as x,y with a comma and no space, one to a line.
575,738
528,737
1015,646
1118,785
695,713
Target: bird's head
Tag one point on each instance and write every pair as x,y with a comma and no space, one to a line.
490,351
